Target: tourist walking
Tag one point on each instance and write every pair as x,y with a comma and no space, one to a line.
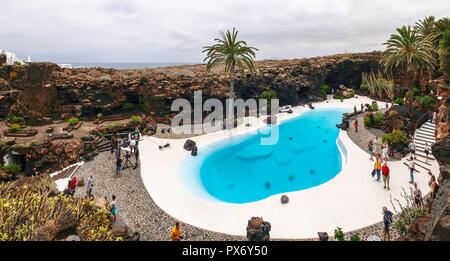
377,146
387,220
434,117
90,184
430,115
377,168
386,175
175,235
427,150
362,107
356,125
434,187
412,149
385,151
412,168
113,207
370,147
417,195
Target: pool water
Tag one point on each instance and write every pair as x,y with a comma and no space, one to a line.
305,156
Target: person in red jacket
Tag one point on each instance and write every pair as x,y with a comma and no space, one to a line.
73,185
356,125
385,172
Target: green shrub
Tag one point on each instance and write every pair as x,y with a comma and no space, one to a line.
355,237
399,101
12,168
415,92
113,125
73,121
15,119
99,116
367,122
128,106
378,119
426,101
363,87
353,93
324,89
396,137
373,107
338,234
136,119
267,95
338,97
34,142
14,127
444,53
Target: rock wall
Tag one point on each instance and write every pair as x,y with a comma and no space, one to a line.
45,90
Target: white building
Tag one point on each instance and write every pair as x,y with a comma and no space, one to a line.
11,58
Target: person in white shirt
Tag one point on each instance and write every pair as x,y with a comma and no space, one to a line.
133,145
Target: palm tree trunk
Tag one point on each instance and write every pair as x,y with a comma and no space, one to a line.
231,98
410,89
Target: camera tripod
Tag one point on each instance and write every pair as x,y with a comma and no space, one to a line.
128,163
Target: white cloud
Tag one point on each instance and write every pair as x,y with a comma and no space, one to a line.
176,30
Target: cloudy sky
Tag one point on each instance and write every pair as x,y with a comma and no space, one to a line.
176,30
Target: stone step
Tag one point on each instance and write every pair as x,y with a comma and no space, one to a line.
423,155
423,140
426,133
425,137
406,164
422,165
429,124
427,128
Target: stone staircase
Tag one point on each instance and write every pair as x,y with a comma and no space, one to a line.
423,135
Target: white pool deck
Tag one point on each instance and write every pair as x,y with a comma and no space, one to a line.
351,200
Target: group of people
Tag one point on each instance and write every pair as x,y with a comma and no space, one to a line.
132,141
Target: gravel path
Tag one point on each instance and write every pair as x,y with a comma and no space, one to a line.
134,205
364,135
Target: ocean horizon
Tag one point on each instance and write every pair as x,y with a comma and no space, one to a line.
124,65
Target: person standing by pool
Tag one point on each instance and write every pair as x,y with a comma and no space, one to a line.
417,195
412,168
386,172
175,235
427,150
387,220
377,168
412,149
356,125
113,207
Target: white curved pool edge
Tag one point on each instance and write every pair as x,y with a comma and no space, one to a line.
351,200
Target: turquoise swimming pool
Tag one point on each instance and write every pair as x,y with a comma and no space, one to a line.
241,170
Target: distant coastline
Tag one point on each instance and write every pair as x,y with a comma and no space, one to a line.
120,65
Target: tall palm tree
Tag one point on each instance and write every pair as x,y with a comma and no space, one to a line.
407,51
230,52
426,27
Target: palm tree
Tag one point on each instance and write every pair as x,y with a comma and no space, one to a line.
231,53
426,27
407,51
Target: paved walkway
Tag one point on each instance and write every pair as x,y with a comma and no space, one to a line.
135,206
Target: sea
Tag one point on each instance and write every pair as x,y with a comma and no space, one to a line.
121,65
